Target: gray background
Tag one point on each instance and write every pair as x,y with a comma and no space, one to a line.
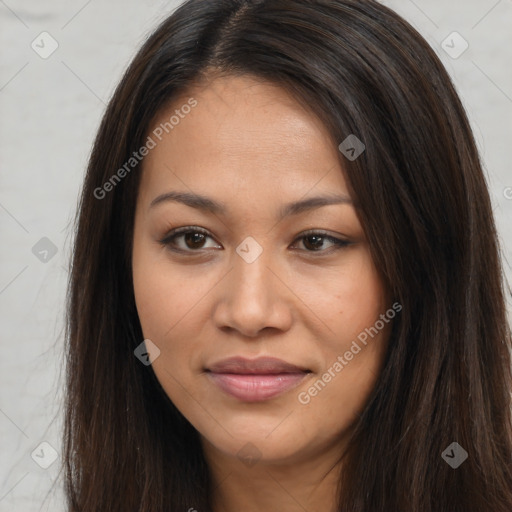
49,112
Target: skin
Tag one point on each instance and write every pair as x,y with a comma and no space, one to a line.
250,146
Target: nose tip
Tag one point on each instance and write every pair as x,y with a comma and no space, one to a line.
252,299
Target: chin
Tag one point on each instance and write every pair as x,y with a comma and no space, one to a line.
250,449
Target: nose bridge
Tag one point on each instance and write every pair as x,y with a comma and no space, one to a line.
252,278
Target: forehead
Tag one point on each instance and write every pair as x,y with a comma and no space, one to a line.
241,134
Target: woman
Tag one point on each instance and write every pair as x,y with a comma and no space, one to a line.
286,290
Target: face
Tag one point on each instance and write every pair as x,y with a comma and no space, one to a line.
270,319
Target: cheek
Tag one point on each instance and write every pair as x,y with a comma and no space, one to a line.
166,296
363,300
346,300
168,305
351,306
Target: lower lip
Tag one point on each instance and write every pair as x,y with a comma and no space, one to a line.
256,388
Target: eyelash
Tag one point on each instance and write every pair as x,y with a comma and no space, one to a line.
173,235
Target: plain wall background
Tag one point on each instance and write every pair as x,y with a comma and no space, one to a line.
50,110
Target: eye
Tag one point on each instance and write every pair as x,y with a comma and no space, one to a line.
192,239
314,241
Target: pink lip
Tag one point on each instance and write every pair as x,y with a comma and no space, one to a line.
255,380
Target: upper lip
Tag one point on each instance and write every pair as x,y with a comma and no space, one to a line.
259,366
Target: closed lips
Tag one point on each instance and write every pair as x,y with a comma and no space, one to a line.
255,380
262,365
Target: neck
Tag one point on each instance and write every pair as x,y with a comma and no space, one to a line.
307,483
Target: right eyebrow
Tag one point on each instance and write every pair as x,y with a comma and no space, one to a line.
193,200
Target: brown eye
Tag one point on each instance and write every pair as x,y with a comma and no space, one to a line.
315,242
188,239
194,240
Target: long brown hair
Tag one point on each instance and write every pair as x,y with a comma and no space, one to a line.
425,209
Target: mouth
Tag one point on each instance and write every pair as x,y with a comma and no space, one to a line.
255,380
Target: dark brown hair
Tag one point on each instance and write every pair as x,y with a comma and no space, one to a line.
425,209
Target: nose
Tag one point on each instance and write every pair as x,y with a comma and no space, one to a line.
253,297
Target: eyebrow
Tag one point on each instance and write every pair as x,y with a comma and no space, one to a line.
207,204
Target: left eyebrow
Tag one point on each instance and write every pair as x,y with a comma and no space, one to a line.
208,204
312,203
